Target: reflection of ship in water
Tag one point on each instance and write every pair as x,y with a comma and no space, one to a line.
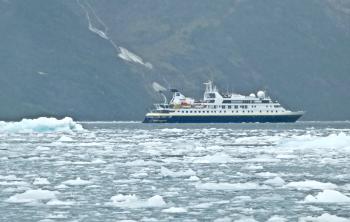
220,108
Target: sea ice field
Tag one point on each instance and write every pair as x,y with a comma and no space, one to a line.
61,170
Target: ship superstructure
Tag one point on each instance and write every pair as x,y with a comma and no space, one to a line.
220,108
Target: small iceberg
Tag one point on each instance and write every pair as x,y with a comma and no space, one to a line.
175,210
77,182
168,173
41,125
328,196
32,196
324,218
132,201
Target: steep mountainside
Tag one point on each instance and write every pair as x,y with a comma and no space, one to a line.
97,59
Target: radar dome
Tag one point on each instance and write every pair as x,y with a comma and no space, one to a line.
252,95
261,94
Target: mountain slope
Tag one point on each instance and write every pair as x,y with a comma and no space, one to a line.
64,57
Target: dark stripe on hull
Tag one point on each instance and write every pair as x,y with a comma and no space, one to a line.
223,119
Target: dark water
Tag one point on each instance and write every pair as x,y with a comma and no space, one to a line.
144,172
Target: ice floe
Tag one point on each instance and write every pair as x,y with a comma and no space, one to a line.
276,181
77,182
40,125
311,184
230,186
41,181
55,202
32,196
333,141
175,210
216,158
168,173
132,201
324,218
276,219
328,196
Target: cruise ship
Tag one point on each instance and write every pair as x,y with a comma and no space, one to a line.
216,107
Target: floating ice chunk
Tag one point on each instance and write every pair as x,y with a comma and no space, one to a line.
174,210
311,184
266,174
43,148
328,196
168,173
61,187
223,219
55,202
203,205
140,163
132,57
286,156
230,186
174,130
324,218
32,196
246,219
253,167
132,201
216,158
9,177
193,178
42,124
77,182
277,181
65,139
333,141
276,219
13,183
41,181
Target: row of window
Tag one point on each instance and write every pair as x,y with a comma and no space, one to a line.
237,106
242,101
223,111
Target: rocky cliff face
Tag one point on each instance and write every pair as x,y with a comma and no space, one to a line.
97,60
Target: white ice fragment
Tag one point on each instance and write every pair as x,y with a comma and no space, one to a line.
55,202
193,178
266,174
276,219
9,177
333,141
32,196
77,182
324,218
216,158
65,138
328,196
13,183
277,181
174,210
172,130
42,124
246,219
223,219
230,186
311,184
41,181
132,201
168,173
61,187
203,205
253,167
